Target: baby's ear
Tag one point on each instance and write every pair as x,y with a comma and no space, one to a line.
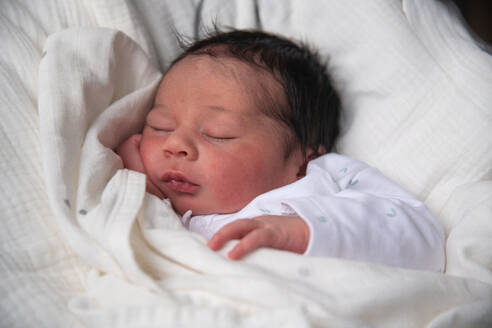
321,151
310,155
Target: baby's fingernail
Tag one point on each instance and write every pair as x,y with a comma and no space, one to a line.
234,254
212,245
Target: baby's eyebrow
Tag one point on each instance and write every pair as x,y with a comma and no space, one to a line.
158,111
218,108
225,112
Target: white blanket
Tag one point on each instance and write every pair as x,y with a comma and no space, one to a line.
83,245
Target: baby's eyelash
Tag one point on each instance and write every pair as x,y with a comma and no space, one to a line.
219,139
161,130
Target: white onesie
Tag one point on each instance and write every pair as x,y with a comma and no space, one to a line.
353,212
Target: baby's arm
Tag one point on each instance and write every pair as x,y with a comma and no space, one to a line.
368,218
288,233
129,152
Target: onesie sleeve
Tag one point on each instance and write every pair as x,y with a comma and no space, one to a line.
367,217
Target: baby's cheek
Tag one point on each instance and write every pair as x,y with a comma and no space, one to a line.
238,181
146,154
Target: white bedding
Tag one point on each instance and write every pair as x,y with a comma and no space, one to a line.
82,245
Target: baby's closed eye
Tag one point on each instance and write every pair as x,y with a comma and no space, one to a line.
220,132
161,129
218,136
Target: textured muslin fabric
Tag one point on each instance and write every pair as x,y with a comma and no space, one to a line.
82,118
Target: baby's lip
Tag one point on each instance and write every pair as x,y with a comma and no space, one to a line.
178,182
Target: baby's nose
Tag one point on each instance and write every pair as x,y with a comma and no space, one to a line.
180,145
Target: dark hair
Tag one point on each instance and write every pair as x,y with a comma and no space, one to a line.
313,105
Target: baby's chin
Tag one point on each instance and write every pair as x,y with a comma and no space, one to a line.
182,207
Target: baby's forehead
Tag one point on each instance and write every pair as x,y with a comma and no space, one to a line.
256,81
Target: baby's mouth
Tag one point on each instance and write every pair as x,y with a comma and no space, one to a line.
178,182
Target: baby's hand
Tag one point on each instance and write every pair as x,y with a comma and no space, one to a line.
288,233
129,151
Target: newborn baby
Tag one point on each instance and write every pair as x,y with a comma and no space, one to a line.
240,136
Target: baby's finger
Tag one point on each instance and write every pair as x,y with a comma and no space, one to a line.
129,145
255,239
130,155
234,230
136,139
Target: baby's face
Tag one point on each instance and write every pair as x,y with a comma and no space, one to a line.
206,145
